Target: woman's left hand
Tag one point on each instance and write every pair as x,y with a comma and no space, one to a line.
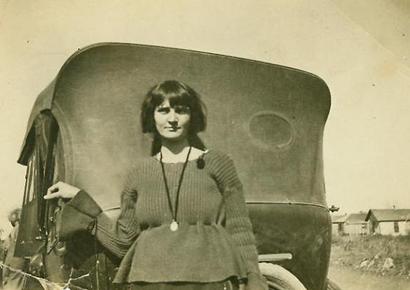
61,190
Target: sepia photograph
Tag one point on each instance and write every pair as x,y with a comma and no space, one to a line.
204,145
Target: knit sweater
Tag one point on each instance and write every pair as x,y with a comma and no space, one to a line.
214,240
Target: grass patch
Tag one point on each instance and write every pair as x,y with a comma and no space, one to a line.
385,255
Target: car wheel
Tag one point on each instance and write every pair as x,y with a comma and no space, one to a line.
332,285
279,278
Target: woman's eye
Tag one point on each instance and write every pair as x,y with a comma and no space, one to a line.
164,110
182,110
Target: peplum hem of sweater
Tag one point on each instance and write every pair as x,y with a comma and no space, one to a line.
200,253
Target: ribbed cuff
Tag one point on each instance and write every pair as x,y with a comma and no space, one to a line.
78,215
83,202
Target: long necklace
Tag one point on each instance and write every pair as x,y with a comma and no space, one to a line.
174,212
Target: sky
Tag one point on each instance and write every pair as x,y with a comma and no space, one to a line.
360,49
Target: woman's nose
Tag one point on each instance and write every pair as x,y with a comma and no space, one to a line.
172,117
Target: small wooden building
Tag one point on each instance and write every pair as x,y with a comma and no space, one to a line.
389,221
338,224
356,224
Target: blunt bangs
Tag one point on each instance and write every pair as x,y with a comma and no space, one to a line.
175,99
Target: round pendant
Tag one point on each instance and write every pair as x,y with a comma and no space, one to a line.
174,226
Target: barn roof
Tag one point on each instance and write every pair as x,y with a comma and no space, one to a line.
389,214
356,218
337,219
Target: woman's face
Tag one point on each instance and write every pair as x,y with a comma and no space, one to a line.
172,123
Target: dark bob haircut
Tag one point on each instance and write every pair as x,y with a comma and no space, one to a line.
178,94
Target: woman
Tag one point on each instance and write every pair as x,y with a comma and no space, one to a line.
183,222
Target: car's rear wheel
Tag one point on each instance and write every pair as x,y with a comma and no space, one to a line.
332,285
279,278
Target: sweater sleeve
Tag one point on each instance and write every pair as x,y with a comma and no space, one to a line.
237,220
117,235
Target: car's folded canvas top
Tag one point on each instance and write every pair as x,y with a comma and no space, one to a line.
269,118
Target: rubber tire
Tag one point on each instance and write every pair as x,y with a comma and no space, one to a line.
279,278
332,285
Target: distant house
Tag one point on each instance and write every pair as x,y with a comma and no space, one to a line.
389,221
338,224
356,224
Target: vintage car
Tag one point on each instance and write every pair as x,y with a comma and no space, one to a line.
84,129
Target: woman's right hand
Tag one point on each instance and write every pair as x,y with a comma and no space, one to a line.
61,190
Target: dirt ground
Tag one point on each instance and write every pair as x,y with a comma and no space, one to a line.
350,279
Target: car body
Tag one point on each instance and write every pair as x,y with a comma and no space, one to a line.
84,129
